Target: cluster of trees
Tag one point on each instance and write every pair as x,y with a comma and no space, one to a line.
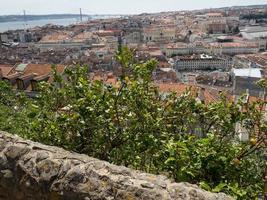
135,125
255,16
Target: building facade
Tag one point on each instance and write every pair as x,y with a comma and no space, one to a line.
201,62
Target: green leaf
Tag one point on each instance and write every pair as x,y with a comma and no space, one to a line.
219,187
169,160
205,186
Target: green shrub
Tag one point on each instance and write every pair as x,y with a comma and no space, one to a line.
135,125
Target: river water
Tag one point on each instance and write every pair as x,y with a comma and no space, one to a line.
5,26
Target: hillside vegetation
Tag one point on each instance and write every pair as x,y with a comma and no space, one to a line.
135,125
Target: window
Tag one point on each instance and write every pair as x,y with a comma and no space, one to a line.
20,84
34,85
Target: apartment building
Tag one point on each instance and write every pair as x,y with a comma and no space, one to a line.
132,36
181,48
177,49
201,62
27,76
216,23
253,32
251,60
159,34
245,82
233,48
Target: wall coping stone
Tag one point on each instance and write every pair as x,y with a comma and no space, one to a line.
30,170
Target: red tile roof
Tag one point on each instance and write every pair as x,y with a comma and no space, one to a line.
42,69
209,95
178,88
5,69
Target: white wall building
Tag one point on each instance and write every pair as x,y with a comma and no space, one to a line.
159,34
234,48
253,32
201,62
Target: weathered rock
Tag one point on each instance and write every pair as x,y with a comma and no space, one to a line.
30,170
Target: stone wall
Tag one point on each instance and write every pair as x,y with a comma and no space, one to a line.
30,170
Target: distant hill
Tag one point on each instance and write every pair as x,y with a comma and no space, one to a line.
252,6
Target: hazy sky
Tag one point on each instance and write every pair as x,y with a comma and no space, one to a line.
112,6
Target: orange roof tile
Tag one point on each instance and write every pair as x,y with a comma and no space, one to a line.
178,88
42,69
5,69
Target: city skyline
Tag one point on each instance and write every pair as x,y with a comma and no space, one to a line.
15,7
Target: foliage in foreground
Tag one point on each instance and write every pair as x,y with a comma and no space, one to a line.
135,125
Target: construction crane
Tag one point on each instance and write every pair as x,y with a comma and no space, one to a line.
25,19
81,16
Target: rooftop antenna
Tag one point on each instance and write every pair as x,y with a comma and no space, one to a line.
81,16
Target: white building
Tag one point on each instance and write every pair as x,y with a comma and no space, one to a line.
177,49
245,81
159,34
201,62
181,48
253,32
234,48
